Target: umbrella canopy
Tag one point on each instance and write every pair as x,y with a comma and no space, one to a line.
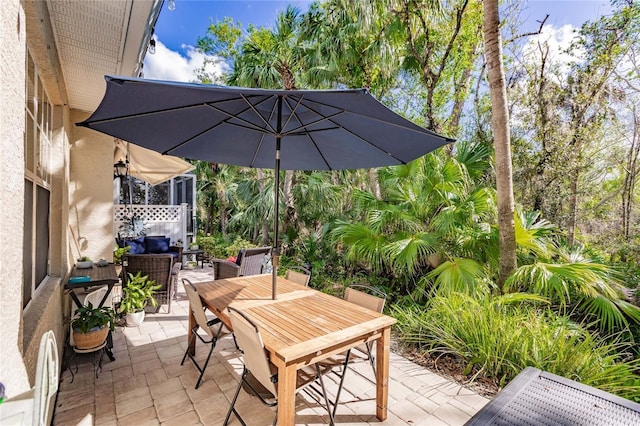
279,129
148,165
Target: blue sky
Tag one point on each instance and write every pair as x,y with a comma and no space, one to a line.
177,31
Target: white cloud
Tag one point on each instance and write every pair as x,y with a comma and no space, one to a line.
170,65
555,42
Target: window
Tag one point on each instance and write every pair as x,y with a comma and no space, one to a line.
37,183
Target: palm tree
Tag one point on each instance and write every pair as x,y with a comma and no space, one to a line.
502,142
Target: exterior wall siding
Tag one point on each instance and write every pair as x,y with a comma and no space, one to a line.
13,373
81,191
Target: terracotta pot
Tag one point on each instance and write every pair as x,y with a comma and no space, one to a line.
91,339
134,319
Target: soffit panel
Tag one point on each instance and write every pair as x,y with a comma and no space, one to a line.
91,39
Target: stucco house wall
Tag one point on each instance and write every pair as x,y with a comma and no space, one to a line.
81,184
12,53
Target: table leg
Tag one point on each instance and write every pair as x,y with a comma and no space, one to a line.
383,346
109,346
192,323
287,395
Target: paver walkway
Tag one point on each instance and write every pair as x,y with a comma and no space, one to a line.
146,385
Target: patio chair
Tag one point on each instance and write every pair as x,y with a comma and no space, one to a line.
249,261
299,275
370,298
259,375
157,267
213,333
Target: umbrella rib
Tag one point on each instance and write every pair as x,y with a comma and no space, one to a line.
173,148
293,110
420,129
302,127
249,124
329,118
257,151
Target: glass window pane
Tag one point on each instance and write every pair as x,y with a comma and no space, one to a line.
138,191
31,75
36,150
44,163
159,194
42,235
27,243
28,143
40,100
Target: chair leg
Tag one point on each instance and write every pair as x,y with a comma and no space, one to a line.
326,398
233,402
204,367
344,373
191,342
372,359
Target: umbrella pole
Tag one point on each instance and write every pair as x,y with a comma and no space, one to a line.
275,252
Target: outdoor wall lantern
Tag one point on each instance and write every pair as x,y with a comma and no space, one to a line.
152,46
120,170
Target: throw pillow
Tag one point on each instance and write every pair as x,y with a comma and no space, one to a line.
157,245
137,246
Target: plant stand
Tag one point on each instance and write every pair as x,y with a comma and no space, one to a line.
97,353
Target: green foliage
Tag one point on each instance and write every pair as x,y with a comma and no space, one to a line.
218,246
428,228
590,287
497,337
89,317
138,293
119,253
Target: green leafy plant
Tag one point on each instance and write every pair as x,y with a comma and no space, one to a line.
498,337
84,259
89,318
119,253
138,293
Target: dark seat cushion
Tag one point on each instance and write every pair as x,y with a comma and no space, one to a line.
157,245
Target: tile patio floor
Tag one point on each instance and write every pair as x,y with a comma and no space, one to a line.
146,385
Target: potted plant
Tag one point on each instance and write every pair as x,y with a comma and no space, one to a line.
118,256
84,262
91,325
137,294
119,253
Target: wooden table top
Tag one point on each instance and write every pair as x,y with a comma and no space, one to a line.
301,324
99,275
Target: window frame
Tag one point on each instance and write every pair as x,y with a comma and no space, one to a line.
38,162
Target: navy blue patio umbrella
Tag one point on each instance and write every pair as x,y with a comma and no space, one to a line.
278,129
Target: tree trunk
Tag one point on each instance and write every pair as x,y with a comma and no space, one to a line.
502,143
631,176
573,206
374,183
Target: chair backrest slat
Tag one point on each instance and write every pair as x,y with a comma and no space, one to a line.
298,277
363,299
250,343
196,306
251,260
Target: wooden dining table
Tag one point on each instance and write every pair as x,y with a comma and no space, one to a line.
301,327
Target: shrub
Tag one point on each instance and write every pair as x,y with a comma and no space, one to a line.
497,338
